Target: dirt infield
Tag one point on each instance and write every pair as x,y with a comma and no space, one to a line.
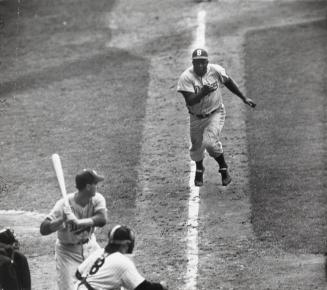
96,82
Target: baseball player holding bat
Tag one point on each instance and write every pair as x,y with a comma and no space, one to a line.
112,268
200,86
74,219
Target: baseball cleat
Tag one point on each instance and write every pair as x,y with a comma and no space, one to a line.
225,177
198,180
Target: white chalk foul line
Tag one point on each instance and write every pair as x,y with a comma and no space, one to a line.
201,30
192,234
194,198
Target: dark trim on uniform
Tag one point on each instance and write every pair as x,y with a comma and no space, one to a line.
146,285
79,276
203,116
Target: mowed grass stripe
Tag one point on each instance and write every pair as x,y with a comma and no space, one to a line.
72,96
286,75
94,120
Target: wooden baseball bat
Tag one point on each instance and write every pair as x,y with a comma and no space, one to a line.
60,176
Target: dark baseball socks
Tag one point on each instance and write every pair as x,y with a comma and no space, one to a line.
223,170
198,179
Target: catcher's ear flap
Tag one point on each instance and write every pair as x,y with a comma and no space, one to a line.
132,242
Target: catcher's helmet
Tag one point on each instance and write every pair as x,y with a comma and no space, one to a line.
199,53
122,235
8,237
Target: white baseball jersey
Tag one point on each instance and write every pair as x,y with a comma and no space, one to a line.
191,82
117,271
70,235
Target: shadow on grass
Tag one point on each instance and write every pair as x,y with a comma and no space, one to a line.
94,64
114,99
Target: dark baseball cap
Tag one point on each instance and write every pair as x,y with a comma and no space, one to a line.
87,176
199,53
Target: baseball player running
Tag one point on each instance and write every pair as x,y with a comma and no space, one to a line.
111,268
75,226
200,86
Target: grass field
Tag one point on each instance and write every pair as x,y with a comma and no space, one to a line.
287,136
80,105
95,81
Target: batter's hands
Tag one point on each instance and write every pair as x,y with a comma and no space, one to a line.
70,216
249,102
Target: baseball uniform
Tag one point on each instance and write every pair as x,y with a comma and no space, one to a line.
73,245
109,271
208,116
201,86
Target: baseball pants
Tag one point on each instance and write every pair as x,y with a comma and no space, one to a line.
205,135
68,258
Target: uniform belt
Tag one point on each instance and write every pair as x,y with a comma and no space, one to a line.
78,243
203,116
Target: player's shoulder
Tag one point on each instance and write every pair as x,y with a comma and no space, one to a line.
70,197
187,73
98,201
61,201
119,256
122,260
95,255
89,261
216,67
98,196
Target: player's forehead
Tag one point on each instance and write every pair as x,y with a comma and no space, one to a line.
199,61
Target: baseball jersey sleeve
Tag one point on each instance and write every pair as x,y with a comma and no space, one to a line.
131,278
57,210
99,202
221,73
185,83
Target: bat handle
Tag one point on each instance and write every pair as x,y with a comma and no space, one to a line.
66,202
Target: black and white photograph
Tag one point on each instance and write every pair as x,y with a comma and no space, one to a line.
163,144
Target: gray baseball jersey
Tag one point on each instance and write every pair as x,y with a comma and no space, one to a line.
190,82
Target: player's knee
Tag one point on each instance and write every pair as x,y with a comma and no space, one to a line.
215,152
209,140
196,155
214,148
